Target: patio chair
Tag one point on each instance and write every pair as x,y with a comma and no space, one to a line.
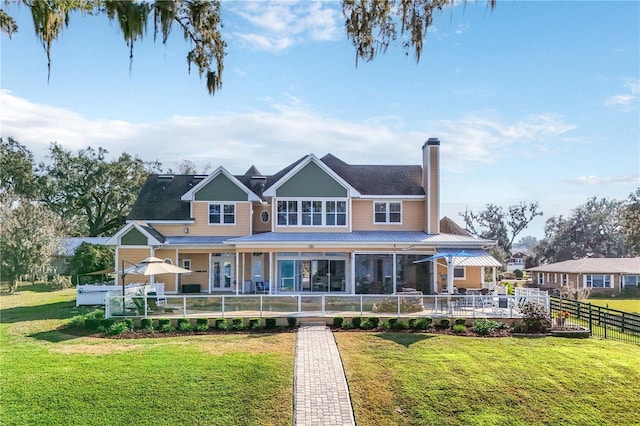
262,287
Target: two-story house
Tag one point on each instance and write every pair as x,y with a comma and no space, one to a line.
319,225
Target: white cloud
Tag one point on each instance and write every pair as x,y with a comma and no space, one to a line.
276,26
626,101
606,180
484,139
274,138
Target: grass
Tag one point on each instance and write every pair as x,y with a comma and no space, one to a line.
627,305
418,379
49,377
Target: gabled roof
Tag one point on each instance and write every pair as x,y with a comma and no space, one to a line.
301,164
190,194
448,226
378,179
153,236
160,196
602,265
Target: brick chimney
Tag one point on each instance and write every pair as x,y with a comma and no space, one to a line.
431,184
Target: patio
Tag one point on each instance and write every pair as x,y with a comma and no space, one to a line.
314,306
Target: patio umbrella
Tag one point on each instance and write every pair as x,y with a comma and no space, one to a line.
152,266
448,256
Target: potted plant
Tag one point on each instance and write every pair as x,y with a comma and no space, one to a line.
561,318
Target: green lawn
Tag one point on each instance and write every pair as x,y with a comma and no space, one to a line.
49,377
627,305
418,379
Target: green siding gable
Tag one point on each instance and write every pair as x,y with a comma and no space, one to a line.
311,181
221,188
133,238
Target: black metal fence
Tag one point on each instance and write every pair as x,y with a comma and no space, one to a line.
603,322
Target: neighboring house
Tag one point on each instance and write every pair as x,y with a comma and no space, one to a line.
516,261
67,248
598,274
319,225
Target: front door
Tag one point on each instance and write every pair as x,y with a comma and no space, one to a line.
221,273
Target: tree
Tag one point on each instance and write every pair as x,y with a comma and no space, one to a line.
90,193
592,229
372,25
526,243
17,174
91,258
494,223
30,235
188,167
630,222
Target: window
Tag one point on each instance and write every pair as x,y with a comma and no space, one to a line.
629,280
598,281
565,279
222,214
311,213
186,264
458,273
264,216
387,212
287,213
336,213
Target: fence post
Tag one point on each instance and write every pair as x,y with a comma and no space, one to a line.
261,306
605,325
398,306
622,324
590,320
222,307
184,306
323,306
299,304
361,303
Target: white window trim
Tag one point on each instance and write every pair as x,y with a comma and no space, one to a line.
186,264
587,276
221,204
387,212
323,212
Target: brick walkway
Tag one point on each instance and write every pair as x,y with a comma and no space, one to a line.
321,396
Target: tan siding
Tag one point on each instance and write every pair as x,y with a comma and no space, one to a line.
199,268
258,226
202,227
131,256
412,216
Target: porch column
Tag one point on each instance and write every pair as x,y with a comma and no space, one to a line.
271,278
237,270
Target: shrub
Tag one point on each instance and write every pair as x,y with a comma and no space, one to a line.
101,329
424,323
106,323
460,321
484,326
347,326
445,323
221,324
292,322
116,328
535,317
375,321
412,323
392,322
60,282
366,325
129,323
237,324
91,323
146,324
165,326
355,321
338,321
184,324
254,323
270,323
459,328
202,324
400,325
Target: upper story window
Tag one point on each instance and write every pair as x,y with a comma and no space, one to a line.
222,214
387,212
311,213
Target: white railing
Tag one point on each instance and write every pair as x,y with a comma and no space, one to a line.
524,295
222,306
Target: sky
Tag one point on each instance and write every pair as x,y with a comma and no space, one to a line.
531,101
